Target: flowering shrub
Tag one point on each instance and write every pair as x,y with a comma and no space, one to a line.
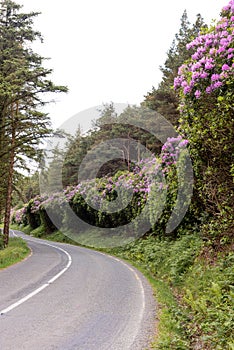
115,201
33,211
206,87
19,217
94,201
211,66
171,150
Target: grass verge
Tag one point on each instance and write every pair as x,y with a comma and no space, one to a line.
16,251
169,333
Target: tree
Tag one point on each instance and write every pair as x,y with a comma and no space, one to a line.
23,80
163,99
122,140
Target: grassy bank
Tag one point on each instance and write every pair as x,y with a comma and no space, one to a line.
16,251
195,293
194,288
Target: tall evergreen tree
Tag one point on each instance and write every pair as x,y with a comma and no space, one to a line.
163,99
23,80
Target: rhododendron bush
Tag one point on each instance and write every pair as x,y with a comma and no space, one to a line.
206,87
151,181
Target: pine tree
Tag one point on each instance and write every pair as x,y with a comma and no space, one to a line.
23,80
163,99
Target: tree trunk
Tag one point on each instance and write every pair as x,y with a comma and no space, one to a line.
138,151
9,185
8,200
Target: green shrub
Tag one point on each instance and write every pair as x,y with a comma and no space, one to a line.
166,258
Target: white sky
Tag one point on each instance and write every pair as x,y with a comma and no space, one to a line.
106,50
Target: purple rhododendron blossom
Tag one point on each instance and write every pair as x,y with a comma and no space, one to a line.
209,89
212,60
215,77
171,150
225,67
187,89
217,84
198,93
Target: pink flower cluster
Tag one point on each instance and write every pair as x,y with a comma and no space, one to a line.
19,215
229,7
212,64
171,150
36,203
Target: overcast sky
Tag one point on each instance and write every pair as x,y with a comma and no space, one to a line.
106,50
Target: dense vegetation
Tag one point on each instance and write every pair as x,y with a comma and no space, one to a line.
191,263
152,185
206,88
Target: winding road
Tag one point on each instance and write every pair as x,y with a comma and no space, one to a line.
71,298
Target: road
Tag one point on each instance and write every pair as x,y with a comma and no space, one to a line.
67,297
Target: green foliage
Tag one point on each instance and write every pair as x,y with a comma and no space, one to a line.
46,222
23,81
165,258
15,252
145,197
33,219
109,127
207,120
209,294
203,315
164,99
24,188
38,232
1,240
56,236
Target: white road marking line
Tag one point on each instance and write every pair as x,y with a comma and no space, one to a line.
137,278
141,288
38,290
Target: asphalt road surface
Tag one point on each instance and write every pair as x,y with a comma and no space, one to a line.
66,297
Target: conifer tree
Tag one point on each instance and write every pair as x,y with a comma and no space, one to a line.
163,99
23,81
